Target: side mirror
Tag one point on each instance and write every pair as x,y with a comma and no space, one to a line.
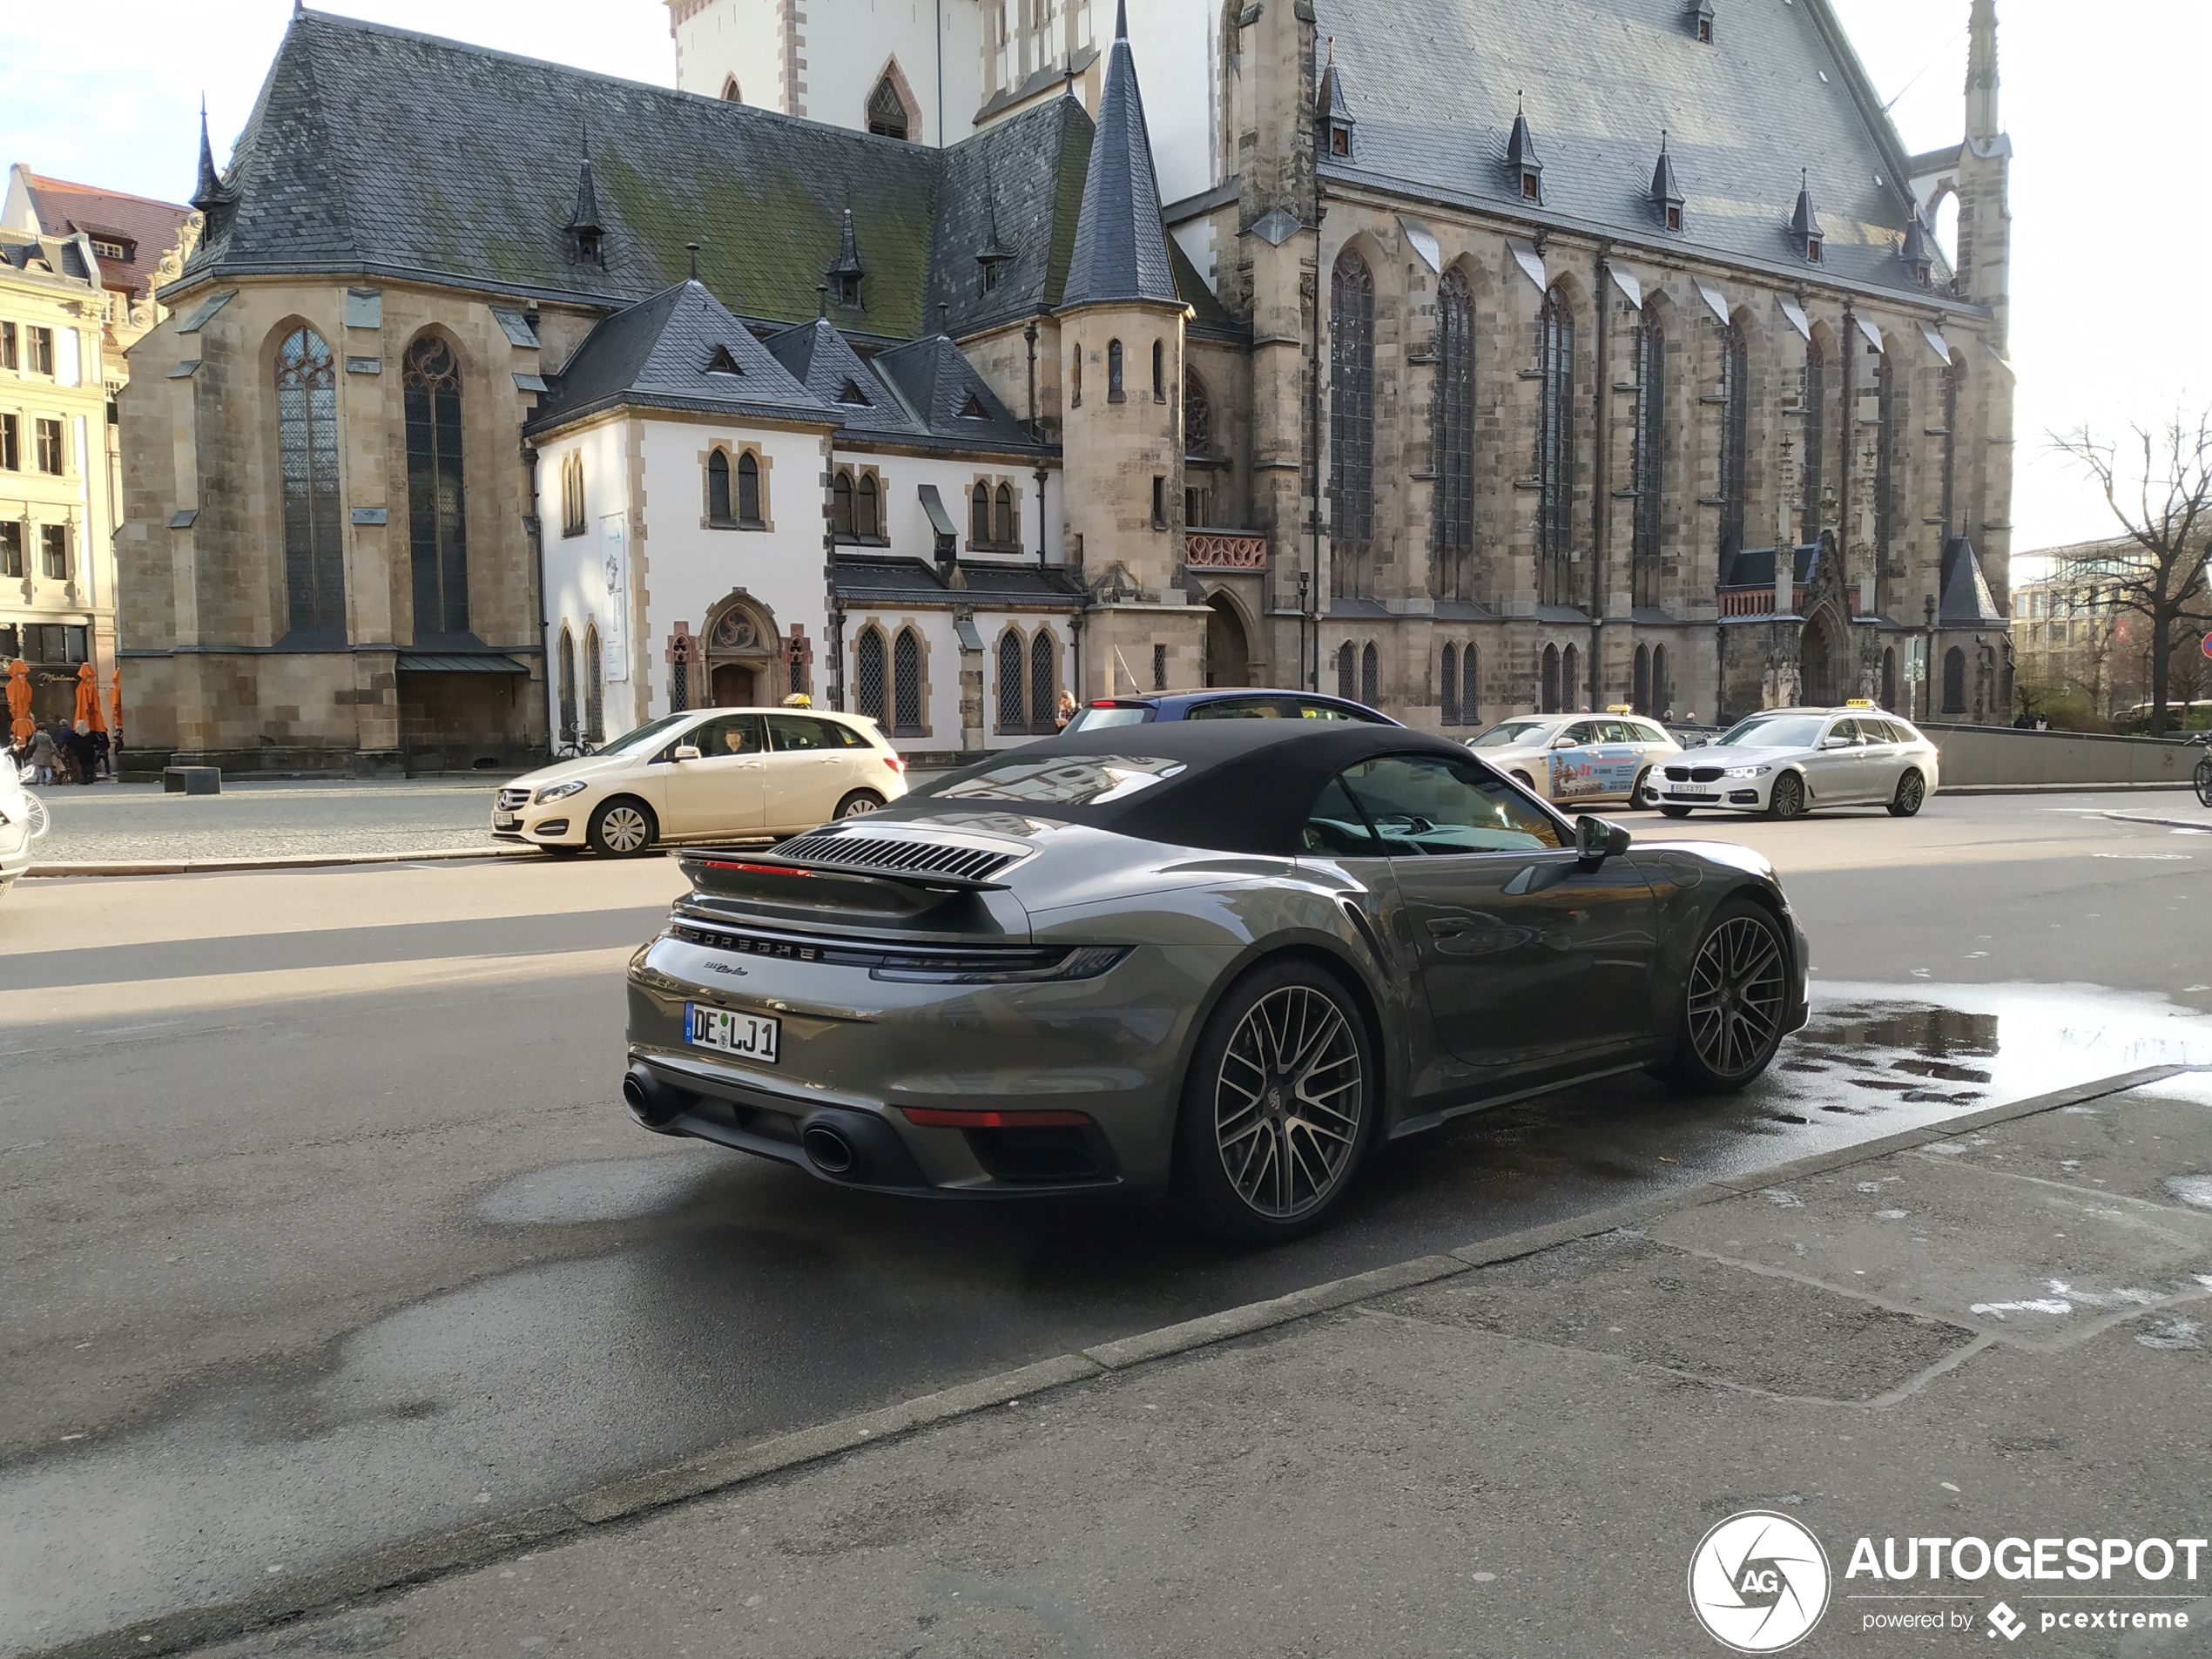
1597,840
686,752
1563,741
1835,743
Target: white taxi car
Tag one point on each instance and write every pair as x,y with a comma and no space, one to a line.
1579,756
1783,762
22,820
710,774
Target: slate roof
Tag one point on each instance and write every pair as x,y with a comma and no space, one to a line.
945,395
151,228
1967,601
888,581
1602,79
658,354
1120,249
824,361
375,149
61,257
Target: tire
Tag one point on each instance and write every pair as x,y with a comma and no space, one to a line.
623,828
1636,790
1247,1168
1787,799
1524,782
1911,795
860,803
1728,1013
1674,811
559,850
2204,782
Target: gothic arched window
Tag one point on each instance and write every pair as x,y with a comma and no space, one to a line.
1570,677
1555,448
437,528
314,571
1011,717
1551,680
1811,445
594,688
718,488
868,678
567,687
1661,696
1114,392
979,513
1470,687
1885,454
1889,678
1076,381
1009,532
906,684
1736,437
1954,681
1371,675
1159,372
749,513
1454,431
1347,684
888,116
1197,417
841,505
1352,422
1044,679
1650,472
868,515
1639,698
1950,448
1448,685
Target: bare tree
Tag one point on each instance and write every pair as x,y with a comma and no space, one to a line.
2161,495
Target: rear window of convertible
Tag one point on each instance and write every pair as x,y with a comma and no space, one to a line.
1093,780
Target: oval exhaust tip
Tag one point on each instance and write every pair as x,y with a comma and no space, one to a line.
831,1152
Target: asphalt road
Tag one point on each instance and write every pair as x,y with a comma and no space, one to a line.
321,1226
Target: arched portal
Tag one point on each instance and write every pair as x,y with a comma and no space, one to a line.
1820,660
1228,648
740,655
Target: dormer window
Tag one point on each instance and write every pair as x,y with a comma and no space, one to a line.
108,248
973,409
1674,218
1532,185
1521,163
853,397
846,291
1666,193
888,116
1701,22
1333,112
1813,248
723,363
590,246
1804,222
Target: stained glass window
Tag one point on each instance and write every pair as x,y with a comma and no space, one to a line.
1556,450
1735,436
1470,687
1044,680
1650,476
906,684
749,489
437,530
1371,675
1352,424
868,677
306,386
595,701
1197,417
1447,682
1454,424
1011,718
1811,447
718,488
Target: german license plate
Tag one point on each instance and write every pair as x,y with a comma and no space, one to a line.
748,1036
1691,794
506,821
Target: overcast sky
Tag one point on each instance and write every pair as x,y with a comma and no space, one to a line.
2110,313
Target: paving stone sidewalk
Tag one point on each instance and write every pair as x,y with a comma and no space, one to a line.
116,823
1998,1334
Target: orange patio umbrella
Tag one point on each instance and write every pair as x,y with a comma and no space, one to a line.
21,723
88,699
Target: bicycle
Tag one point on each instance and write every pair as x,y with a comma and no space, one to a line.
580,749
2204,772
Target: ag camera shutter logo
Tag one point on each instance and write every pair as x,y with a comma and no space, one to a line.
1759,1583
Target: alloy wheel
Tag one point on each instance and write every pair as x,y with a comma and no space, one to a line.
1736,987
2204,781
1289,1103
623,830
859,807
1787,799
1910,791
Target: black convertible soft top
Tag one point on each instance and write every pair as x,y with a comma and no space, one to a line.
1226,785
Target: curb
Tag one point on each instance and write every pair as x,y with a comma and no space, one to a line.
292,861
2061,789
2202,826
417,1560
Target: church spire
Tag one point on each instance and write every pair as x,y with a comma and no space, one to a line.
1120,244
208,194
1982,122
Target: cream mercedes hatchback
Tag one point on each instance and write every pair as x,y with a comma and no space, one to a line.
711,774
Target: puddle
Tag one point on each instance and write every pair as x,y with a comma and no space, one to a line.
1961,1048
613,1189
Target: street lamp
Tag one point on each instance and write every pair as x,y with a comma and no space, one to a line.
1927,659
1305,583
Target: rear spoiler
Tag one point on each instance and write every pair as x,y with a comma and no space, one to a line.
703,864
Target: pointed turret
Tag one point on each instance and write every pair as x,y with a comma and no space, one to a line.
1918,250
1666,193
1805,222
1982,123
1333,112
587,237
1120,244
208,194
846,273
1521,159
995,255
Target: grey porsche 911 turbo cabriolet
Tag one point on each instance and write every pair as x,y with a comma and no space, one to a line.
1218,959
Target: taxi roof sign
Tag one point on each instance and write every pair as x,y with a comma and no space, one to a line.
1619,708
1859,703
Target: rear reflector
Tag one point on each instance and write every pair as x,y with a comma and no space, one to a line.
897,763
755,869
931,1117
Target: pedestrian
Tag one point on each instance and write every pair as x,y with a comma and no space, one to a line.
1669,716
1064,710
82,754
102,757
43,755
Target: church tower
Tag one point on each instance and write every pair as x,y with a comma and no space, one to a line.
1121,329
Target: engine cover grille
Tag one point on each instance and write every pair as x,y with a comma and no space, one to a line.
881,852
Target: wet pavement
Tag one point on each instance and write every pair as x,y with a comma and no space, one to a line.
342,1255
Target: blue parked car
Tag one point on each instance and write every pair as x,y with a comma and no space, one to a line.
1222,703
